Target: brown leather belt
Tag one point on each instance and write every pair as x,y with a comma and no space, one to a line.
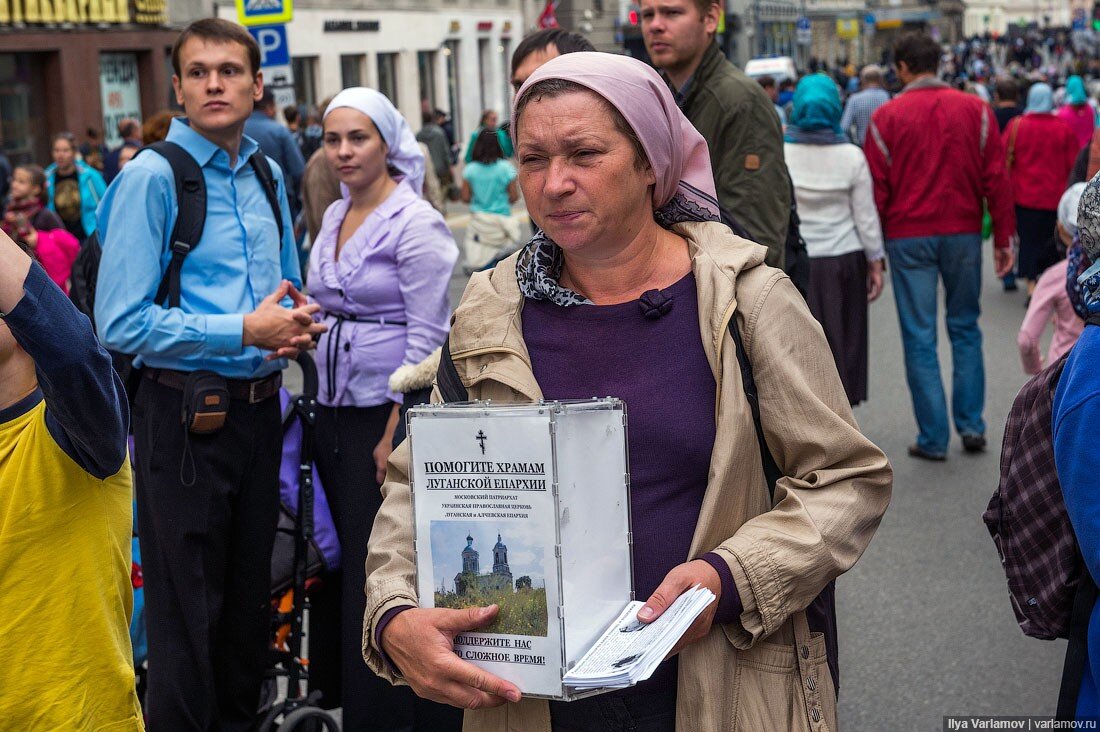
252,391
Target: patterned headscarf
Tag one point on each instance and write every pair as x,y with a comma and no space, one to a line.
403,152
675,150
1088,236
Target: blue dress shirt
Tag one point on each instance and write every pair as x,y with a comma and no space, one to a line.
236,264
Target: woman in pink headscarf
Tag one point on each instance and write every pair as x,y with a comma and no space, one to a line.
633,288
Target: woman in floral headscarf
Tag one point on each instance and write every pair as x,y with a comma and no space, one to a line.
836,207
629,289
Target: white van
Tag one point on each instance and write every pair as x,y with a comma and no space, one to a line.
779,68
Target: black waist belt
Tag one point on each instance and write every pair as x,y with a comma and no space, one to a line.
333,344
252,391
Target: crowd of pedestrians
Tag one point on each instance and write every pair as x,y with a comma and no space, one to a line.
727,223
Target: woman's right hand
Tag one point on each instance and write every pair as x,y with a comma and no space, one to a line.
420,642
874,280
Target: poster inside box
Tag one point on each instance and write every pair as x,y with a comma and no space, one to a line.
526,507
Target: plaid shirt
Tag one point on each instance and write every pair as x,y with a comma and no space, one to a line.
858,111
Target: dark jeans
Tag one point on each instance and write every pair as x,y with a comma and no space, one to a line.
206,555
617,712
917,265
345,442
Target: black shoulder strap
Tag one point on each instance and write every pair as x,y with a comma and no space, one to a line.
772,473
447,378
259,163
1077,650
190,217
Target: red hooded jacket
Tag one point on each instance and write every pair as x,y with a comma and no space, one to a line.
935,154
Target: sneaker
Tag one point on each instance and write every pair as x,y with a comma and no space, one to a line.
973,443
919,452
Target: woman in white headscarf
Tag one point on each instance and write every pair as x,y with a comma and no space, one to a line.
380,270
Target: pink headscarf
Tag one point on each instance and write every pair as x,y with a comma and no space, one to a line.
676,151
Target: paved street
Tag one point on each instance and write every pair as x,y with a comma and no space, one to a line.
925,624
924,619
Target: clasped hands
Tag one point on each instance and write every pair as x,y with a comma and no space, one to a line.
420,642
283,331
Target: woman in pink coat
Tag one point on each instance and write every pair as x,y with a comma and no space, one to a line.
39,230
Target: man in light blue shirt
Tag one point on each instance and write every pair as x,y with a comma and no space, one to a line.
207,501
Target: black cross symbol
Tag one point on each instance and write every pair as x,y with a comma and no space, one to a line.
481,439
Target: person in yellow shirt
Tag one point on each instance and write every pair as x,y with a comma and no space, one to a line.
65,515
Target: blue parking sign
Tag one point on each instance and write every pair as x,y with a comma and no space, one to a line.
271,39
264,12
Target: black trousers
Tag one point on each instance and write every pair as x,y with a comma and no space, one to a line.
345,442
631,710
206,554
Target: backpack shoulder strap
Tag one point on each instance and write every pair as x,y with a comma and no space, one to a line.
259,164
190,217
447,378
772,473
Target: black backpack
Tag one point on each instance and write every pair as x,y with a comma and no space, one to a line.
186,232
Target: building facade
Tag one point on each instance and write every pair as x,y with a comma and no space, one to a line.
453,55
67,66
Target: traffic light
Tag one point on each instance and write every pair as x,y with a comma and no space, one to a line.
1096,16
633,16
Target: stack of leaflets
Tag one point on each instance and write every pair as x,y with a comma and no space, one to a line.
629,651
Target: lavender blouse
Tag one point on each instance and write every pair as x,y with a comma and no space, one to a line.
385,300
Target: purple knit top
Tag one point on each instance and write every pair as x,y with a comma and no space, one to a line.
654,361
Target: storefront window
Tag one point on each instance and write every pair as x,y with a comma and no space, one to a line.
450,50
22,136
425,62
305,78
119,88
387,76
351,71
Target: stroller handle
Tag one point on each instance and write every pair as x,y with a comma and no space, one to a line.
310,381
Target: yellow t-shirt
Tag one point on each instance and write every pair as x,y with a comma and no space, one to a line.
65,593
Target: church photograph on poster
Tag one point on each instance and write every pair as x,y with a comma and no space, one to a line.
478,563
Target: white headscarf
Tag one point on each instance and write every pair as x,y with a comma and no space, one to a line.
404,152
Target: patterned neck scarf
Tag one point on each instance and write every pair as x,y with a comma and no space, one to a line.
676,151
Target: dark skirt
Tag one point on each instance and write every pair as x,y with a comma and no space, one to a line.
1038,248
838,299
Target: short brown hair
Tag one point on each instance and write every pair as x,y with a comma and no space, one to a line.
919,51
705,5
219,31
550,88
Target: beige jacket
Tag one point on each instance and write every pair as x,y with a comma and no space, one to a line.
766,672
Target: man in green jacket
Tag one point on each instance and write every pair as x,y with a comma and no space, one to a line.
732,113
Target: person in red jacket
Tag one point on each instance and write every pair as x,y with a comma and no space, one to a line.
935,155
1040,152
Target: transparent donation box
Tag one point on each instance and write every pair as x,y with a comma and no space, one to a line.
526,507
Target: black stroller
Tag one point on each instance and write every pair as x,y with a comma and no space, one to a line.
301,561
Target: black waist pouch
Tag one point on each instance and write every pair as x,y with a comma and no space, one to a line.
205,402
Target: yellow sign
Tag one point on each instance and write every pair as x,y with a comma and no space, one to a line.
66,11
721,22
264,12
847,29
